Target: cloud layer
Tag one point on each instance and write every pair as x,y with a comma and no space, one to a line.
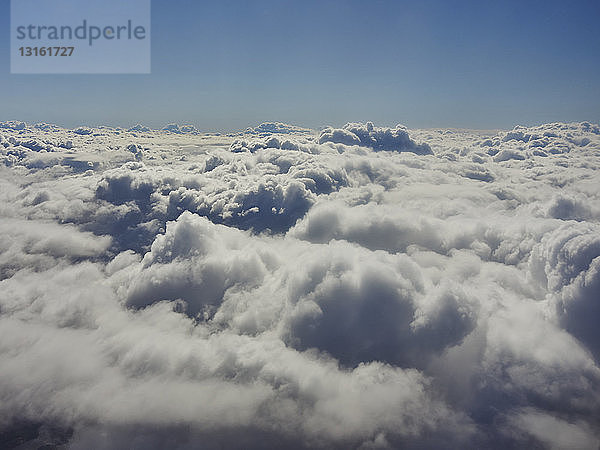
358,287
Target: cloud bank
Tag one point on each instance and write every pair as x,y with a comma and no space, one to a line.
358,287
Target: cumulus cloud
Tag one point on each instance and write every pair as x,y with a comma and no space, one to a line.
176,128
269,128
360,287
367,135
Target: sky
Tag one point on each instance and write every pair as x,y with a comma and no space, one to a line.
228,65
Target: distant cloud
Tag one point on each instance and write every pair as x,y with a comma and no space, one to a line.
367,135
268,128
180,129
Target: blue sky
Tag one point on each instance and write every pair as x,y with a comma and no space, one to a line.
232,64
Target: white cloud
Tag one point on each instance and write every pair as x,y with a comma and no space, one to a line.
360,287
367,135
553,432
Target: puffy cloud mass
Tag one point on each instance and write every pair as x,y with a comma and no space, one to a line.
358,287
378,139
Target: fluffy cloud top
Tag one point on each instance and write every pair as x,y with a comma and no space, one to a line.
178,129
269,128
286,288
367,135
